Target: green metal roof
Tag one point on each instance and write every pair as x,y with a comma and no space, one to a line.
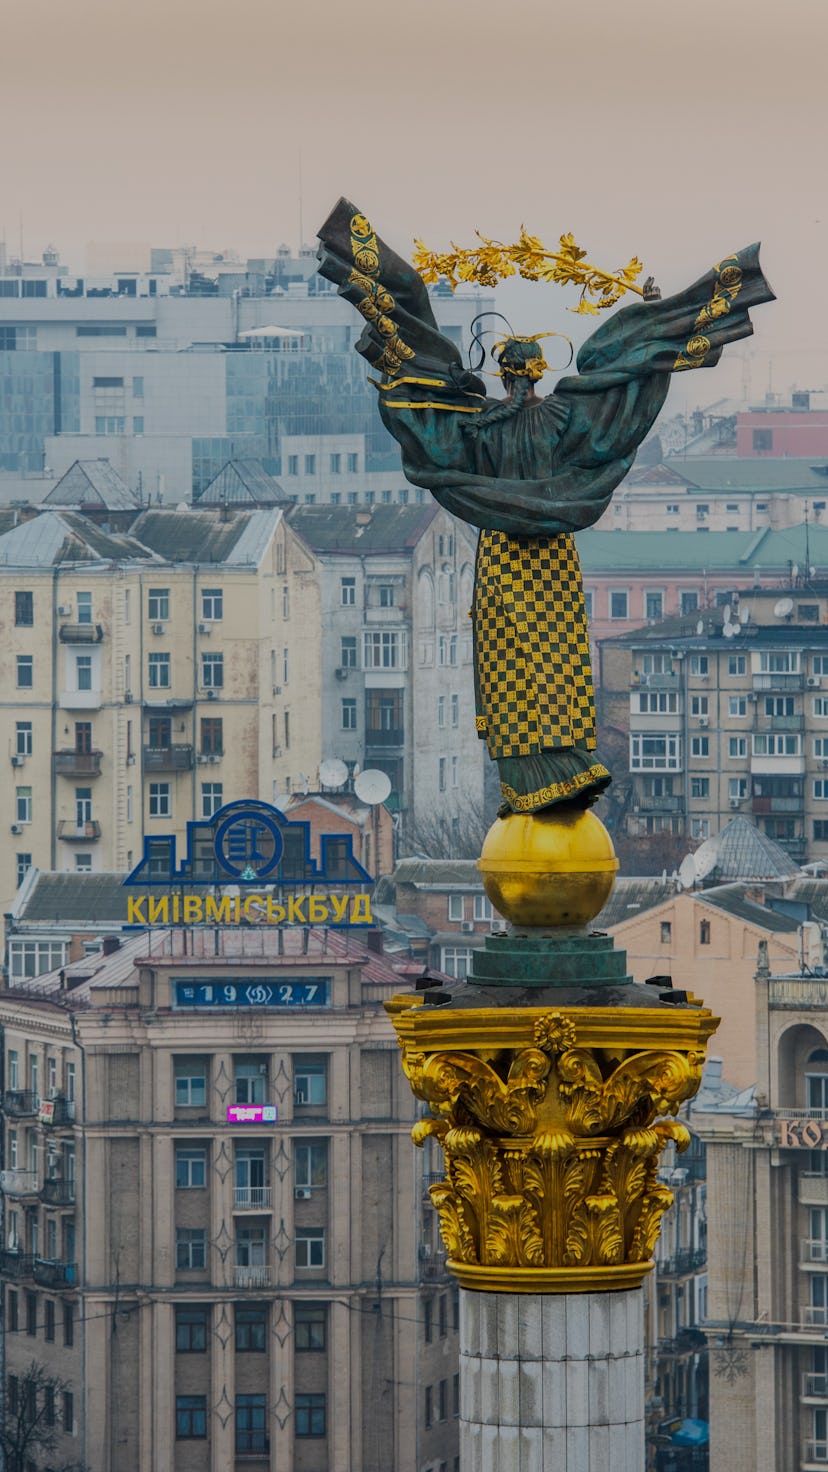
727,473
666,552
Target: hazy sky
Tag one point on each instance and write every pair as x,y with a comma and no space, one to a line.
675,130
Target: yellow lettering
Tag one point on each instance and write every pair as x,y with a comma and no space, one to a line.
275,913
252,908
159,909
193,909
317,910
296,914
361,910
219,911
135,914
176,909
339,904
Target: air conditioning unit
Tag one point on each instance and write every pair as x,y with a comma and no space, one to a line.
63,610
467,927
159,628
735,802
211,694
201,759
813,682
704,720
17,759
302,1193
17,827
213,759
342,672
204,628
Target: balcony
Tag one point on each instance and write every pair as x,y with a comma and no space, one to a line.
80,699
252,1198
432,1178
58,1191
433,1264
52,1273
668,804
814,1454
14,1264
814,1386
19,1182
687,1260
777,766
778,804
813,1250
813,1189
813,1315
176,758
80,633
393,737
20,1103
778,682
667,680
784,723
258,1276
77,763
57,1112
78,832
800,993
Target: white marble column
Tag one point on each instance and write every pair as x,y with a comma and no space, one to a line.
552,1382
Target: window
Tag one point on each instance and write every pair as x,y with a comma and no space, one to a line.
336,464
698,705
309,1326
310,1415
820,789
772,743
310,465
456,961
618,603
382,650
762,441
821,706
448,649
386,595
251,1328
310,1165
138,388
13,1069
655,664
779,705
25,671
666,932
250,1080
83,737
455,1395
251,1410
310,1081
31,1314
212,736
160,804
191,1248
820,664
455,710
23,863
737,706
68,1417
349,714
83,806
348,652
190,1169
285,601
737,789
212,671
699,665
700,787
110,424
159,671
68,1325
190,1082
700,747
442,1400
83,671
347,592
456,907
49,1319
704,932
588,603
293,464
84,606
483,908
441,774
23,804
781,662
428,1320
821,830
442,1315
654,753
656,702
24,609
736,665
211,798
689,601
191,1329
190,1417
441,712
310,1247
737,748
654,605
212,603
429,1408
158,605
821,747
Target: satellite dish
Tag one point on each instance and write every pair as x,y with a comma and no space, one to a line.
182,506
700,627
687,872
735,629
783,608
744,615
729,630
728,613
706,857
372,786
795,571
333,773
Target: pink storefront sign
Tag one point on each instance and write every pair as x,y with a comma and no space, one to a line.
252,1114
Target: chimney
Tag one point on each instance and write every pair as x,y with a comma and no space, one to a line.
111,944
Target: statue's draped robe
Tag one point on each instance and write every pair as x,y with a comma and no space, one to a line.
529,481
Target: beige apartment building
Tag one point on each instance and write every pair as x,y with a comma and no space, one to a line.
767,1205
215,1225
144,679
729,718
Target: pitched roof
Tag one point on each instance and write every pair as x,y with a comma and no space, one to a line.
233,537
364,531
663,551
71,900
66,536
438,873
92,484
245,483
732,899
741,852
631,897
732,474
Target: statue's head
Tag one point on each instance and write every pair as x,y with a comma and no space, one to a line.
520,357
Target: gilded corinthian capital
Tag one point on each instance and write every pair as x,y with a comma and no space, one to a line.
551,1123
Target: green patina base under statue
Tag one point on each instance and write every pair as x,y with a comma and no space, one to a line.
529,472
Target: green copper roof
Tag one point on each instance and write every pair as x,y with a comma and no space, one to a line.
675,551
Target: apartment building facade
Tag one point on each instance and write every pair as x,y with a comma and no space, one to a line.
767,1203
730,719
214,1212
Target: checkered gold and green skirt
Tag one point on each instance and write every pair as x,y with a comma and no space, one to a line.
533,676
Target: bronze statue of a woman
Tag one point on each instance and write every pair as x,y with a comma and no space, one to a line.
529,472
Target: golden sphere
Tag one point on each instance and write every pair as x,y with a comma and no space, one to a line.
555,867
